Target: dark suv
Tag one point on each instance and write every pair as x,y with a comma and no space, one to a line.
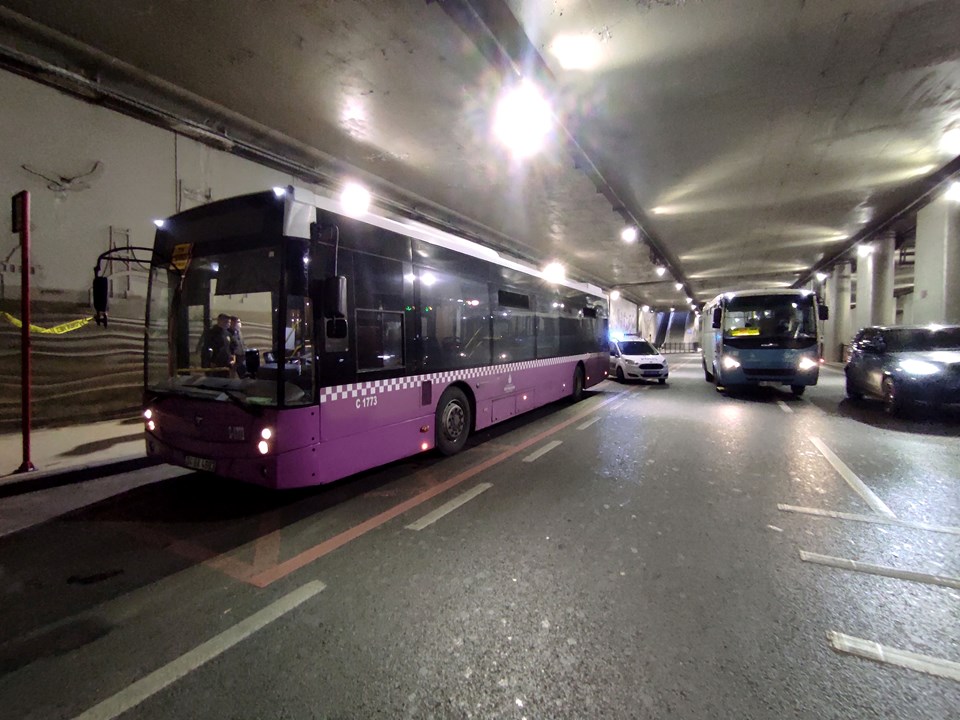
905,365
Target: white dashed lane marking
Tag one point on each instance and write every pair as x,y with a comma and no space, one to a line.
869,568
875,503
448,507
894,656
876,519
543,451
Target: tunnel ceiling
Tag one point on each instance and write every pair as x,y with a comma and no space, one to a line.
751,140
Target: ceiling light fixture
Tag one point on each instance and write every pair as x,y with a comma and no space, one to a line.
953,192
615,295
355,199
661,270
523,120
864,250
679,286
821,276
554,273
629,234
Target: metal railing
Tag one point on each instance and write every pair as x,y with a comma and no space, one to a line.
679,347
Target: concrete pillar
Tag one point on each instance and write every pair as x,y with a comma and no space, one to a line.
883,304
907,302
936,287
864,292
837,330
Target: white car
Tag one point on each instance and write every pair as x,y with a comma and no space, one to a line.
636,359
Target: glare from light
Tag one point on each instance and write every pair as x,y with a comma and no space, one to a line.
151,425
424,446
807,364
159,223
693,307
615,295
821,276
306,259
355,199
215,266
673,309
263,447
679,286
919,367
409,277
576,52
953,192
554,273
950,142
661,270
523,120
616,335
148,413
645,308
266,433
629,234
864,250
428,279
689,300
279,191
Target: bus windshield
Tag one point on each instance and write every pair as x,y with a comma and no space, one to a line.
214,329
770,317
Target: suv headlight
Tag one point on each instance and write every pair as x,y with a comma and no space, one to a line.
920,367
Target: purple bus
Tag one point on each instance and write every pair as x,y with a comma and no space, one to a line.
288,344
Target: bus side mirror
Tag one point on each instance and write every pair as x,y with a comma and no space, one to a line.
823,312
717,317
335,299
100,293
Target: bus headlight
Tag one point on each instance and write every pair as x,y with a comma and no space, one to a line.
263,446
729,362
266,434
807,363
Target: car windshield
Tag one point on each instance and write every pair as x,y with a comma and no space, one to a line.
637,347
919,339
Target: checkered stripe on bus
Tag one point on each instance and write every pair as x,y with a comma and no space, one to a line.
377,387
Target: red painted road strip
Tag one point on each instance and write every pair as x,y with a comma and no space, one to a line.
283,569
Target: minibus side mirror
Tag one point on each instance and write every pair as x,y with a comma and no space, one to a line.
823,312
717,317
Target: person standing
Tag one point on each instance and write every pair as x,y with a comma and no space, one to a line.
238,348
214,346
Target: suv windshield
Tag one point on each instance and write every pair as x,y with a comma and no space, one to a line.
214,330
918,339
637,347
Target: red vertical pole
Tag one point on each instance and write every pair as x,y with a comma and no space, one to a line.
22,218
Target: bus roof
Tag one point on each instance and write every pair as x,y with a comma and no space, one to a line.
298,225
755,293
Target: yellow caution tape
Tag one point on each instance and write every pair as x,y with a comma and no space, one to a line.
55,330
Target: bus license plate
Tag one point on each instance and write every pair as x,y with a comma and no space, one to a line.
200,463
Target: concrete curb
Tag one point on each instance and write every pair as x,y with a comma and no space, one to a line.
22,483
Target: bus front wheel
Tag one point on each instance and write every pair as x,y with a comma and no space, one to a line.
452,421
797,390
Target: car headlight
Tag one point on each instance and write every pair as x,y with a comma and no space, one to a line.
729,362
807,363
919,367
627,361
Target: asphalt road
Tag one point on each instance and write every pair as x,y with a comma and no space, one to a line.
636,555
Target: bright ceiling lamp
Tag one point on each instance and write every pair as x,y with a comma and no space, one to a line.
950,141
679,286
615,295
953,192
864,250
355,199
576,52
523,120
629,234
661,270
554,273
821,276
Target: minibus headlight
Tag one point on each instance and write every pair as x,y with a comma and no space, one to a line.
729,362
807,363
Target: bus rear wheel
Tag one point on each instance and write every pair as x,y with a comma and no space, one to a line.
576,393
452,421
